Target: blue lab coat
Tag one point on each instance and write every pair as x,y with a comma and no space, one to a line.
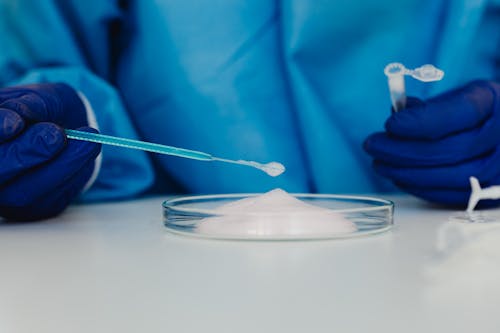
297,81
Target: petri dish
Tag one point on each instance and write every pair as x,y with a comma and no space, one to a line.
198,216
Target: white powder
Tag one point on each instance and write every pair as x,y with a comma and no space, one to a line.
275,213
273,169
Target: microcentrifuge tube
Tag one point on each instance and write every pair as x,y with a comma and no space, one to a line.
395,73
478,193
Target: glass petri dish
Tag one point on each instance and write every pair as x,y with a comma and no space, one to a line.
197,216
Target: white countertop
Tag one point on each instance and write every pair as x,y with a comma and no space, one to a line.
115,268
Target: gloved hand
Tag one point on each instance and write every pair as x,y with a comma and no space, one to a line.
41,171
431,148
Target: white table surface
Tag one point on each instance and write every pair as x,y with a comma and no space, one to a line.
115,268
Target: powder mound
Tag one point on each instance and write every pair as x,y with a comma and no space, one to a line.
274,214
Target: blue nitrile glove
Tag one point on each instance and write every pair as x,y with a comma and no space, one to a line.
41,171
430,149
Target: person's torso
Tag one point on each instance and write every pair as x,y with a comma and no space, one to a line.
301,83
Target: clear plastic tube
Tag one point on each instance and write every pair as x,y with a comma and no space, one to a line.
395,73
272,169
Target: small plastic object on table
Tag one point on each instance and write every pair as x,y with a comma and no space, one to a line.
477,194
